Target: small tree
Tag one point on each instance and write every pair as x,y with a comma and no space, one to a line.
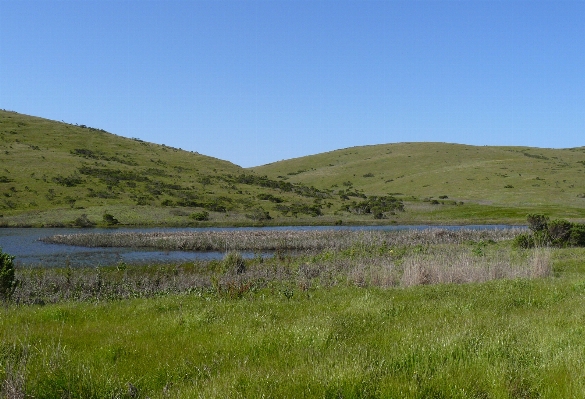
7,276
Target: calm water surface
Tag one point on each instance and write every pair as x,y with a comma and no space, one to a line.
29,251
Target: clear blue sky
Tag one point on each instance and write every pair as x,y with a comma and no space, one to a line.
254,82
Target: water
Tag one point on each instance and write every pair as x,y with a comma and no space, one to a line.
24,244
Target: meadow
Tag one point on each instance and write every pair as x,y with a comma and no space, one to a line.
417,316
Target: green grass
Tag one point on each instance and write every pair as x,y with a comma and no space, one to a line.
499,339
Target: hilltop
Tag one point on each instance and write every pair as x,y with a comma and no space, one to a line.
59,174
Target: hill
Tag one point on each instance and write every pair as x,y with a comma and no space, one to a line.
58,174
491,182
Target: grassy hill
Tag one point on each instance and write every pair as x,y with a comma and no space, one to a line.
58,174
492,182
53,173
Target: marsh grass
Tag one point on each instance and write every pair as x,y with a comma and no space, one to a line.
280,240
361,259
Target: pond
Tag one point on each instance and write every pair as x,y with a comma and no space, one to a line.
25,245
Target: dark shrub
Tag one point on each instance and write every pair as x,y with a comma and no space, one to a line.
110,220
201,216
577,235
7,278
559,231
234,263
83,221
259,214
524,241
537,222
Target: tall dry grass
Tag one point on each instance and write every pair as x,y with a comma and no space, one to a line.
303,259
235,276
14,383
458,268
241,240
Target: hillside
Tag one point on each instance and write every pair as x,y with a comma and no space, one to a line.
490,181
53,173
58,174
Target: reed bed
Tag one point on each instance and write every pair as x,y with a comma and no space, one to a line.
279,240
234,276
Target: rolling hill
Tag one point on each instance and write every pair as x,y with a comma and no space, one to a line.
501,180
58,174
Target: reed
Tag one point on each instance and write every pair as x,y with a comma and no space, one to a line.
359,265
280,240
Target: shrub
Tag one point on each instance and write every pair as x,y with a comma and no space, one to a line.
69,181
259,214
577,235
7,278
559,231
270,197
537,222
201,216
524,241
234,263
83,221
110,220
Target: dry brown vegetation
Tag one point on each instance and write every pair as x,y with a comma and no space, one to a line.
273,240
302,261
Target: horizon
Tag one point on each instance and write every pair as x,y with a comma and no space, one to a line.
305,155
257,82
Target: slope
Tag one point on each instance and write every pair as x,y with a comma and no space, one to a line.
58,174
508,178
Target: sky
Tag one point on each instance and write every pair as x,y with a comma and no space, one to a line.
254,82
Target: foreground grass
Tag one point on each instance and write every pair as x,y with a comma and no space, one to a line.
499,339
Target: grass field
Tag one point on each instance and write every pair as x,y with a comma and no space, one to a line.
349,323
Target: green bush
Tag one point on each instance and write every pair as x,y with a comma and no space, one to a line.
7,276
537,222
233,263
524,241
559,231
201,216
258,214
110,220
577,235
83,221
